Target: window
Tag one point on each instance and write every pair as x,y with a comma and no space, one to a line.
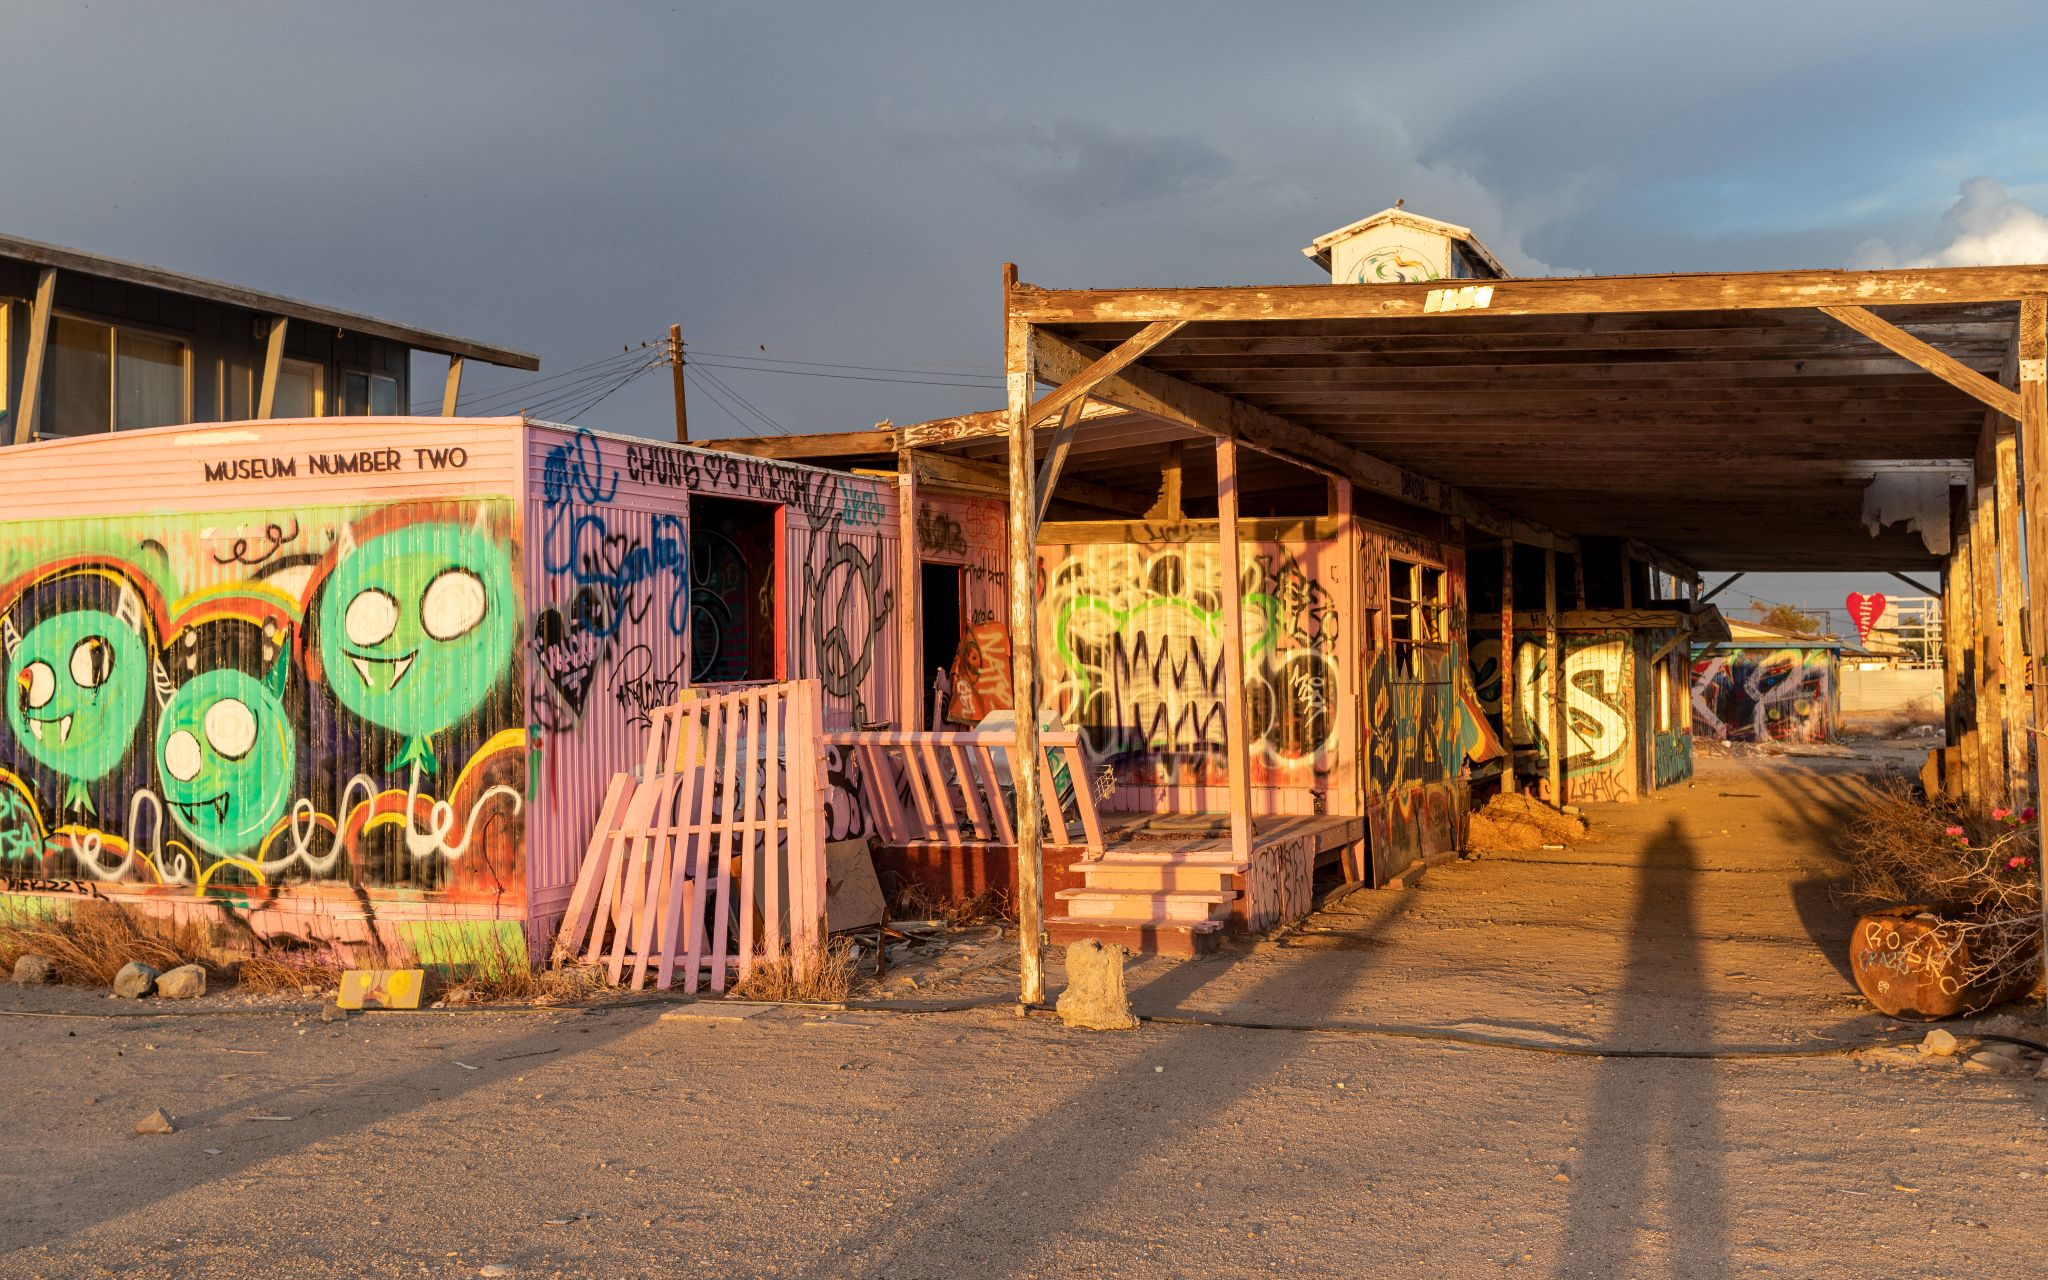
103,378
1418,614
236,395
301,390
1664,698
368,393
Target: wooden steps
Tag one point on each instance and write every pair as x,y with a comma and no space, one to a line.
1177,939
1157,898
1151,906
1121,872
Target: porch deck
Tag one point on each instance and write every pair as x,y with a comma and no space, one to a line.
1170,882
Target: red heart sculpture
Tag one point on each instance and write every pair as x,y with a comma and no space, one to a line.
1864,611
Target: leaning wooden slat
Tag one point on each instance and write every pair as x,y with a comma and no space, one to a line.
757,774
589,876
721,881
632,897
992,787
653,754
702,767
942,791
881,788
617,843
1054,819
775,837
648,929
806,846
1084,799
969,792
676,895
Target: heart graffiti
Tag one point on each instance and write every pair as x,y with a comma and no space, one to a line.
1864,611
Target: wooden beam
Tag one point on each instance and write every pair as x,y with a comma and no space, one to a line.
1728,582
967,473
2012,593
831,444
1508,692
984,425
1056,457
1073,391
273,361
2033,379
1914,583
1237,744
1562,295
1553,650
1670,564
1020,372
1185,531
1162,395
910,674
1606,619
1937,362
1168,507
38,356
1347,783
451,387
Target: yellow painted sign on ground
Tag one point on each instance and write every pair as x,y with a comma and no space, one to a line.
381,988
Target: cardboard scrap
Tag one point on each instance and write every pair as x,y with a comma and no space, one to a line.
381,988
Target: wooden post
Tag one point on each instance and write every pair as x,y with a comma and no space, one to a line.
910,673
1170,482
273,360
1579,577
1628,579
38,348
1554,658
1988,701
1017,368
451,388
1349,776
2011,594
2033,364
1508,693
675,367
1958,627
1230,591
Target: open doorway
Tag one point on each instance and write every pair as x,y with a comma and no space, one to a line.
734,583
942,599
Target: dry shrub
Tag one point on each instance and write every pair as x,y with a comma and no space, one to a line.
1521,821
912,901
92,940
282,972
570,984
830,978
1979,870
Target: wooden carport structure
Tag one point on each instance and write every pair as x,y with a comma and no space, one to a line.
1731,421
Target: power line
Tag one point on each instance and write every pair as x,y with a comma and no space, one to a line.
713,380
558,402
512,391
983,385
980,370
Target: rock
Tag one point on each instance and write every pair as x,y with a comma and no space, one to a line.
157,1121
1094,999
186,982
333,1013
135,980
1940,1043
32,970
497,1269
1996,1063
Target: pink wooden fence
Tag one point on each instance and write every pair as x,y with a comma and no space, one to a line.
723,826
944,788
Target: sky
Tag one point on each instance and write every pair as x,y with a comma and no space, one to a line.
839,185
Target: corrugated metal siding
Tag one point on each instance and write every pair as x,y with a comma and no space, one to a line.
610,560
276,662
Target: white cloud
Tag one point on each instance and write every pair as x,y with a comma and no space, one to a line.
1986,226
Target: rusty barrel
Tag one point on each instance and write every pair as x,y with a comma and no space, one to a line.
1910,962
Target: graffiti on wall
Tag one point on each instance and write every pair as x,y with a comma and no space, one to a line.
1765,695
1136,660
1599,681
255,698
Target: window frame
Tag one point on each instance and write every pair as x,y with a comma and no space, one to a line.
1418,612
115,328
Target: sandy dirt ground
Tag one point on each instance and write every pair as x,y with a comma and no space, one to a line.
618,1142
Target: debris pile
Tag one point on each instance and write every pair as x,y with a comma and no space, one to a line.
1521,821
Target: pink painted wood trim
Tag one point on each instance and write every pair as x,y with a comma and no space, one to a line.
942,797
700,767
759,769
1237,745
730,745
677,896
882,786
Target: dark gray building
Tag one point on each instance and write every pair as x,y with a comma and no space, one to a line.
91,344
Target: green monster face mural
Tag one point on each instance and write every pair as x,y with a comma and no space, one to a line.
225,753
77,684
415,627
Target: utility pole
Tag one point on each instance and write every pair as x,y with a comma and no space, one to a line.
675,363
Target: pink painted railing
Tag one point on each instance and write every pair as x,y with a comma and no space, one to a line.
945,788
724,822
